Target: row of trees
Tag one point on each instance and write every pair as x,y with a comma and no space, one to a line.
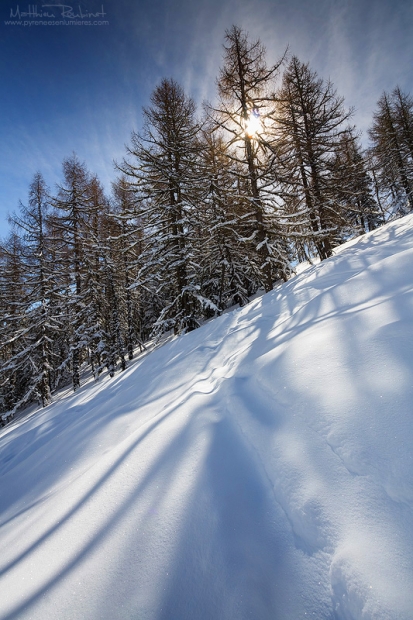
204,213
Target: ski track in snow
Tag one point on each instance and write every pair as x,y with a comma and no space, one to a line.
259,467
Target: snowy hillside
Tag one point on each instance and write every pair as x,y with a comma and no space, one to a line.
260,467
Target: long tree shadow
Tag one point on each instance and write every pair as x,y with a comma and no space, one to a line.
233,560
162,469
231,554
84,425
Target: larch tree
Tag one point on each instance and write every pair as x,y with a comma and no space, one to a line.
359,210
391,150
93,276
72,214
33,338
225,275
15,369
162,168
311,121
245,88
403,107
127,239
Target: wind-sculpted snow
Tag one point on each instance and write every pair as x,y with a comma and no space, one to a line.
260,467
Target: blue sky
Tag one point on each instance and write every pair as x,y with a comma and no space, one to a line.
81,88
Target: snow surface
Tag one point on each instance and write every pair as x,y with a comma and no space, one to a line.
260,467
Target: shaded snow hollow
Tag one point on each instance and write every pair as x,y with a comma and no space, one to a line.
260,467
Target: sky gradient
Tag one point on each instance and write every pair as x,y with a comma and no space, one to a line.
81,88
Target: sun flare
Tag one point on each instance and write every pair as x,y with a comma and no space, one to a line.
253,124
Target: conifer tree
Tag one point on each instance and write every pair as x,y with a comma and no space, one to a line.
127,239
72,206
15,372
358,210
391,135
94,278
163,170
226,277
31,352
311,123
114,326
245,88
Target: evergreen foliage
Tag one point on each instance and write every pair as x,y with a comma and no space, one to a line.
391,135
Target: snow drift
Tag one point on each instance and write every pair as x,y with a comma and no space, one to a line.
260,467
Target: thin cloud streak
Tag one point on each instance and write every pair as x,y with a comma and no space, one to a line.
364,47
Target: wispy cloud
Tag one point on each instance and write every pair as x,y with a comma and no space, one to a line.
83,91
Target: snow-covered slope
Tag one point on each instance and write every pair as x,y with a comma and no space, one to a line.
260,467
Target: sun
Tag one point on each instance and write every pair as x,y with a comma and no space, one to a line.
253,124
